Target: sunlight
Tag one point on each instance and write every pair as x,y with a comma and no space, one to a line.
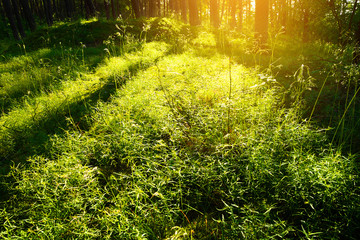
177,119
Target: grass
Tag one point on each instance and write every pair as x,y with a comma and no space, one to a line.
172,141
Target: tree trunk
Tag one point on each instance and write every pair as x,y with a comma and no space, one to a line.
335,13
90,8
107,9
214,13
193,13
48,12
183,10
152,8
28,14
241,14
136,8
3,19
18,18
113,10
352,15
356,57
222,10
11,18
176,6
283,14
261,20
233,8
2,13
55,9
306,24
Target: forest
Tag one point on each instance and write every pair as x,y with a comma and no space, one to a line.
179,119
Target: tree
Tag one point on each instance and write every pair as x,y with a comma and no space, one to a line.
18,18
240,14
9,14
48,12
113,10
136,8
107,9
214,13
152,8
233,9
28,14
183,9
306,22
69,8
89,8
193,13
261,20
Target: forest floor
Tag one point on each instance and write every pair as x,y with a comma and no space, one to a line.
154,130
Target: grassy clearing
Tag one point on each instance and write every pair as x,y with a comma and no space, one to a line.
42,112
188,145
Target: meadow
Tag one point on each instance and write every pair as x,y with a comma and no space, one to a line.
152,129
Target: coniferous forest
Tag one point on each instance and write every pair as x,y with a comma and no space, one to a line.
179,119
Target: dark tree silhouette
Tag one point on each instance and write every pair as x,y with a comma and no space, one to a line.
28,14
68,8
113,10
306,22
152,8
48,12
9,14
107,9
89,8
18,18
136,8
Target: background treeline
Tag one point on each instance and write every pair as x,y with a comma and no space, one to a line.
331,20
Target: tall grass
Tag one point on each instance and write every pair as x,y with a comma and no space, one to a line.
178,149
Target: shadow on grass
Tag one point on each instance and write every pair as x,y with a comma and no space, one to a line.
32,139
45,70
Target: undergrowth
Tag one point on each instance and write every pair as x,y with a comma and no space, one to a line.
166,141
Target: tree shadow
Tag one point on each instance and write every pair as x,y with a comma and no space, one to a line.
33,139
52,65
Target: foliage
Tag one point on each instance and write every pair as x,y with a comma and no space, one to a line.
155,140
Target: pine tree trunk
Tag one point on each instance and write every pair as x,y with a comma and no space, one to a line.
176,6
2,13
113,10
48,12
233,8
183,10
261,20
28,14
193,13
11,18
107,9
3,19
152,8
82,7
18,18
283,13
55,9
241,14
306,24
136,8
356,54
90,8
214,13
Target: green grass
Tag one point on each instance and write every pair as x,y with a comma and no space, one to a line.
173,140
